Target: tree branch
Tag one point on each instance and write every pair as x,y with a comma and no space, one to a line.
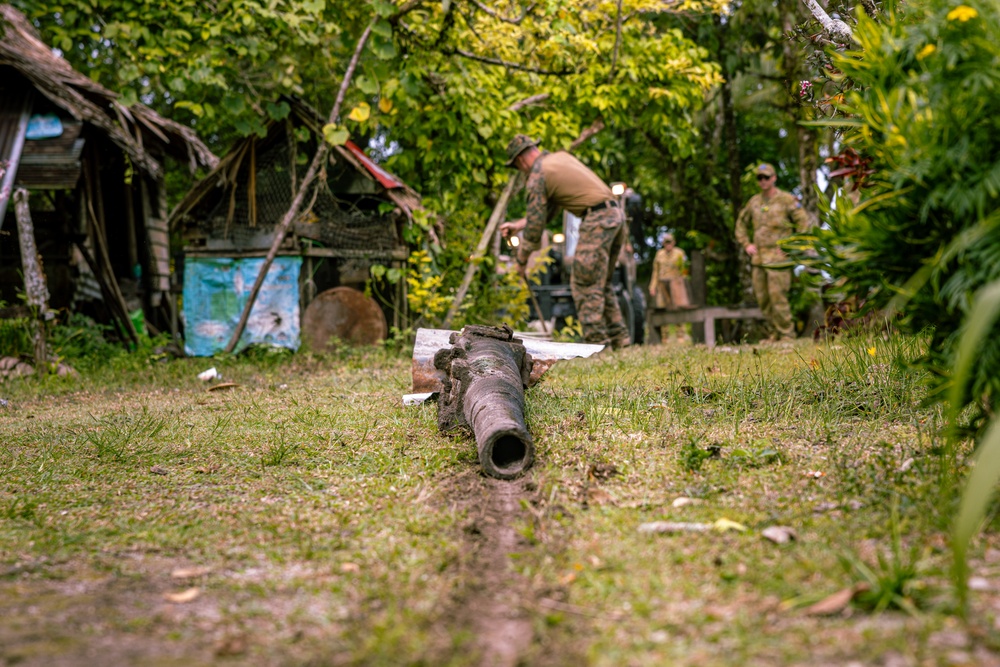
404,9
837,29
618,42
504,63
529,101
594,128
497,16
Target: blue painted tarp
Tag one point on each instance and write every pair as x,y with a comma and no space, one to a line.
216,291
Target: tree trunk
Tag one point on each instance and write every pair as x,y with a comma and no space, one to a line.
808,164
792,72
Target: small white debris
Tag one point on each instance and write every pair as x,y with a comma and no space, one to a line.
210,374
979,584
779,534
417,399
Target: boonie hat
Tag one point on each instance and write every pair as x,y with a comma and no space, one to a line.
765,169
518,145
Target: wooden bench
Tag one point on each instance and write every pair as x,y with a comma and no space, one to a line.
658,317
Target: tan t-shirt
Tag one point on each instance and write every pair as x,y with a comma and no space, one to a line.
571,185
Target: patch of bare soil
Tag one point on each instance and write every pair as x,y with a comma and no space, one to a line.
87,619
496,604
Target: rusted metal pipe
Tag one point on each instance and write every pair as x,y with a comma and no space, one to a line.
486,371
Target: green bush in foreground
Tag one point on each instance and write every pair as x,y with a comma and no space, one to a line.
925,118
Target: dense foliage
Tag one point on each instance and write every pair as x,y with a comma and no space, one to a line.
440,87
924,116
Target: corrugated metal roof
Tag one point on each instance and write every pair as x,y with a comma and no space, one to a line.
133,128
381,175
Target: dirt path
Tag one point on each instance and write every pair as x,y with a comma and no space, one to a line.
493,607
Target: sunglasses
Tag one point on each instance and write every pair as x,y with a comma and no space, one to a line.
762,177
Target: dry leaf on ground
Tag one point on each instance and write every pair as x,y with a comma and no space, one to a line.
598,496
181,597
190,572
836,603
223,385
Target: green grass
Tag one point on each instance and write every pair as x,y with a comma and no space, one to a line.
326,512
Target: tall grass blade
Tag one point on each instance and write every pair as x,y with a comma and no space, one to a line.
984,314
975,499
982,482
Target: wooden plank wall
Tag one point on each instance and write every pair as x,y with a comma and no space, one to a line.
159,241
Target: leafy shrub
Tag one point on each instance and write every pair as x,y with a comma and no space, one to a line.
925,114
14,338
925,117
434,274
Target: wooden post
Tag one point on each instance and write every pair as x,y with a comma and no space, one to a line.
698,329
499,211
102,267
130,235
34,279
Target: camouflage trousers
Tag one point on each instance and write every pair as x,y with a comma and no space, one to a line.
602,234
770,286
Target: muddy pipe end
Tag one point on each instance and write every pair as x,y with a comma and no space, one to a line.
507,454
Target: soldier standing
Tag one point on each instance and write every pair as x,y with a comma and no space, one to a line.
560,181
667,285
769,216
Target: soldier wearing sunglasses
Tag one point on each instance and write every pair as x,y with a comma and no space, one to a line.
769,216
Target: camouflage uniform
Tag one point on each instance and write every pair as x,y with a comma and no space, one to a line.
670,288
668,267
764,222
602,234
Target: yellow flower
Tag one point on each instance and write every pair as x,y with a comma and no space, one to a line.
926,51
962,13
871,351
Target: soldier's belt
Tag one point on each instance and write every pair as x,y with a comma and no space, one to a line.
611,203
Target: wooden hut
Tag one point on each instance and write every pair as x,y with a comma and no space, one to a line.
354,218
94,168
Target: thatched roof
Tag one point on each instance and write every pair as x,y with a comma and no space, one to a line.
227,170
133,128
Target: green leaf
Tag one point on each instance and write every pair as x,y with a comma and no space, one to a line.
382,29
383,48
975,499
383,7
278,111
335,135
366,85
128,97
193,107
981,485
984,314
233,104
